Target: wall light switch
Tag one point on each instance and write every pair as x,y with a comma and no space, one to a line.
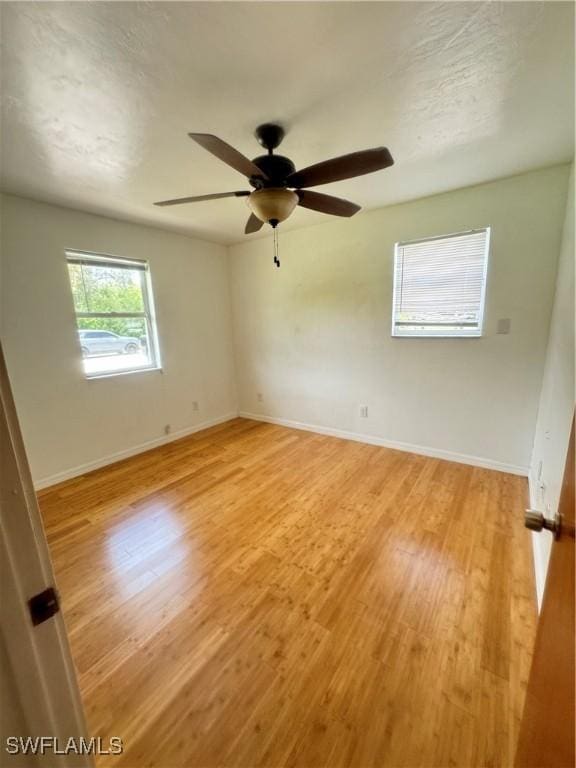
504,325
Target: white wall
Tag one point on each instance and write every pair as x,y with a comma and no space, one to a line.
314,337
70,422
557,399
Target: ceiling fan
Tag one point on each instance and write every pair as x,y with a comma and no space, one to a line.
278,186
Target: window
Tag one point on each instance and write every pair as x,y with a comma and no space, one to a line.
439,285
114,314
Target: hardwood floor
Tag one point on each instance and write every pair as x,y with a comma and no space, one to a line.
258,596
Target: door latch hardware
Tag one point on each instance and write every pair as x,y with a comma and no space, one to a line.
536,521
43,605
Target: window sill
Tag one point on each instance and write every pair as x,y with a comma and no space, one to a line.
113,374
434,336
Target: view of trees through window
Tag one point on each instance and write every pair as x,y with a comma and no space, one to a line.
112,312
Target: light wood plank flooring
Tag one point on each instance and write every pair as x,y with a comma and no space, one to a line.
259,596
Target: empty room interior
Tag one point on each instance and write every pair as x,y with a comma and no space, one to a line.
287,384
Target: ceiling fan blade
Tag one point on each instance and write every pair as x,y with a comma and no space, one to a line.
200,198
253,225
326,203
344,167
227,154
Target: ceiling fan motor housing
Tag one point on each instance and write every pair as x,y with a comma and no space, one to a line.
277,169
272,202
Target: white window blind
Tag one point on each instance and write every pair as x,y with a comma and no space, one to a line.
439,285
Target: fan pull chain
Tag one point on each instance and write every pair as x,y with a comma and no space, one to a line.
276,259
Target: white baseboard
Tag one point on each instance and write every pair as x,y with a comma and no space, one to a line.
437,453
81,469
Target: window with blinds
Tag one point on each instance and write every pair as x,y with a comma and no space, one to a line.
439,285
114,314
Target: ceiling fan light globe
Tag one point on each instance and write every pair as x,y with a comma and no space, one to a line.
272,204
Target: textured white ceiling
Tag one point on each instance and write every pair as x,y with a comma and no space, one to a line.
98,98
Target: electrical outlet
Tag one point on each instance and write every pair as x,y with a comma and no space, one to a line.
259,397
504,325
195,405
364,411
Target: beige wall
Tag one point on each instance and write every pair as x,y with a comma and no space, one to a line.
70,422
557,399
314,337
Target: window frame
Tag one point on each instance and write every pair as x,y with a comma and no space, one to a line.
91,258
457,332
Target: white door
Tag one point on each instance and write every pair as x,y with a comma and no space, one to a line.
38,689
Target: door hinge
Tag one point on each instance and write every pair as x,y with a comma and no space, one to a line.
43,605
